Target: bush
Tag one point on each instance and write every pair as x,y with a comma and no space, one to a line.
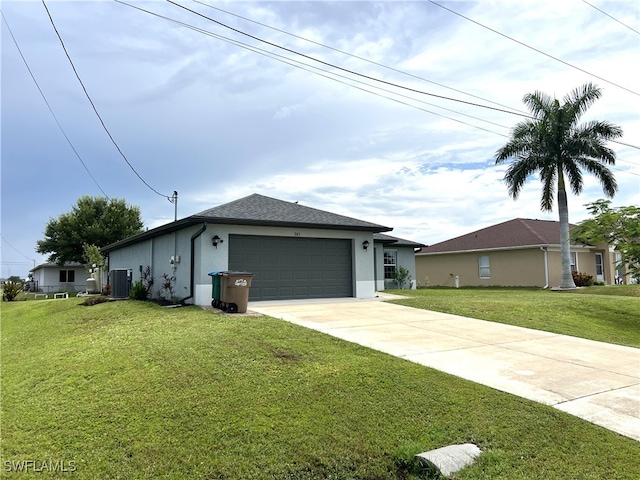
401,276
10,291
582,279
138,291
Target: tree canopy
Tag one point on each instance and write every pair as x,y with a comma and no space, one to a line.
558,148
619,227
93,221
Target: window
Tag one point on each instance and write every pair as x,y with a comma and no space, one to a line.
574,262
484,270
390,263
67,276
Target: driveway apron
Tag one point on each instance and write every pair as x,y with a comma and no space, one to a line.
596,381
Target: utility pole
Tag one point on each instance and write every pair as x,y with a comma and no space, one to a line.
174,200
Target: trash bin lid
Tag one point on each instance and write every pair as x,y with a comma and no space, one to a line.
231,272
216,272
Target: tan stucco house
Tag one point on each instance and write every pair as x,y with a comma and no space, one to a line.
519,252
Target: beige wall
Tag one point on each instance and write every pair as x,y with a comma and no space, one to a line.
516,268
507,268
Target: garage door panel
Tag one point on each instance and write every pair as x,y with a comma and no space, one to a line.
287,267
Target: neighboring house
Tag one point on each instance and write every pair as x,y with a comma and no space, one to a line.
519,252
294,251
52,278
392,253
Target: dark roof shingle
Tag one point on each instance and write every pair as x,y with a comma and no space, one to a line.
395,241
261,210
519,232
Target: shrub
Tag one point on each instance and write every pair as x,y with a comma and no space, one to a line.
10,291
138,291
147,279
168,287
582,279
401,276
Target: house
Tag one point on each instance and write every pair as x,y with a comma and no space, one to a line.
294,251
518,252
52,278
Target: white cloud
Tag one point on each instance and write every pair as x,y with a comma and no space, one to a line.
217,122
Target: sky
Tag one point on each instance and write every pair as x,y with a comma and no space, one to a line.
216,114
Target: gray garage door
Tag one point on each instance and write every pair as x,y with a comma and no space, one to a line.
290,268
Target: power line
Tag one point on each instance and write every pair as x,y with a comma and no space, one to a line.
96,110
49,107
530,47
359,57
352,72
325,74
14,248
288,61
611,17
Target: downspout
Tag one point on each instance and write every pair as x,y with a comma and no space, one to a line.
193,262
546,267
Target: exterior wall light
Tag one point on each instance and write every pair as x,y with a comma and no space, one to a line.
365,244
216,240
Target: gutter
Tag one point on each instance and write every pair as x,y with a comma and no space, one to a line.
546,267
193,263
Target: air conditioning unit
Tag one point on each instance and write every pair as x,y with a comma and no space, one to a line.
120,280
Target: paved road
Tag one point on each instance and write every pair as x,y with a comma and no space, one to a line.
596,381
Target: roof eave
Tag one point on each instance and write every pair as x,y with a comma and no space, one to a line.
520,247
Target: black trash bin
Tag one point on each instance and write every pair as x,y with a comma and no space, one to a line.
234,291
216,288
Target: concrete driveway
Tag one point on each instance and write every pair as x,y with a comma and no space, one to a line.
596,381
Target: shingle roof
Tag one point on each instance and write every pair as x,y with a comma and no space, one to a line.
261,210
395,241
56,265
519,232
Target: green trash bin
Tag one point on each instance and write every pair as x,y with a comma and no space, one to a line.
234,291
216,288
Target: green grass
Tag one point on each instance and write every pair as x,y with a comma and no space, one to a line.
131,390
608,314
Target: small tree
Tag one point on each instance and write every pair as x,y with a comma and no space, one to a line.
92,221
167,286
401,276
619,227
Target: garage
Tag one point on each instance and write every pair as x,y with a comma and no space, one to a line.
293,267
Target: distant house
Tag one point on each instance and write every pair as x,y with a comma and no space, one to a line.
52,278
519,252
294,251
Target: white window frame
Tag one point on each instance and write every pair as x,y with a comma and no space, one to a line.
574,261
484,266
390,265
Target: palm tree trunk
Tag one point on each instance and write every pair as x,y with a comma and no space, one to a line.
565,246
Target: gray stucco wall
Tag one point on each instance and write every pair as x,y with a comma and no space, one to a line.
157,253
406,258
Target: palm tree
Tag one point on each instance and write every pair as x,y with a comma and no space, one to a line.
553,144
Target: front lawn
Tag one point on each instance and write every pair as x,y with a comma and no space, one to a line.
607,314
131,390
